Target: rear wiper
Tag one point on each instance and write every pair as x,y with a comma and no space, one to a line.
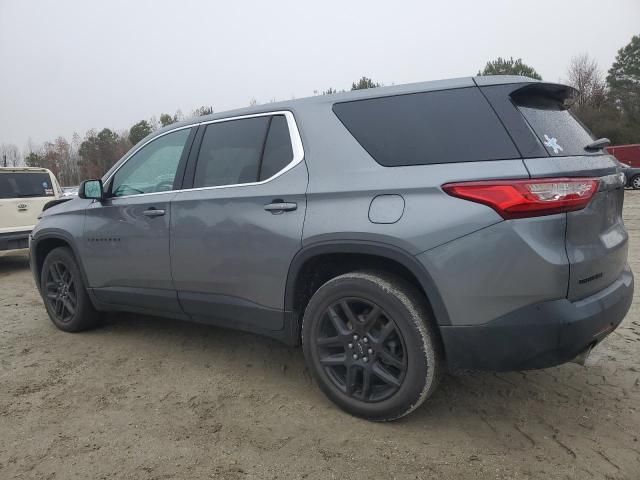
598,145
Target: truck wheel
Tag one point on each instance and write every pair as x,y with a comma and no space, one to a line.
64,293
369,341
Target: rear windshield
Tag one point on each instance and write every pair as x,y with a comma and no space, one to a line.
443,126
556,127
27,184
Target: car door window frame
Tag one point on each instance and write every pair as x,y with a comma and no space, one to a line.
218,142
187,165
294,137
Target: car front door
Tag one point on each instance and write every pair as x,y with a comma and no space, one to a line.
234,234
126,236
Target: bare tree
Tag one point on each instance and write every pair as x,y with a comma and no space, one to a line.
202,111
9,155
153,122
586,77
31,147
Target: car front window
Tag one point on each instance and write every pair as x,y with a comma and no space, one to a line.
153,168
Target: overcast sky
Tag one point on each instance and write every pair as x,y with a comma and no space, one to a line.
71,65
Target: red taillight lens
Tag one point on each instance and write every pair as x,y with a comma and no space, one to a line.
527,198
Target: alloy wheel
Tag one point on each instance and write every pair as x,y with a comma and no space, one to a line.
61,294
361,349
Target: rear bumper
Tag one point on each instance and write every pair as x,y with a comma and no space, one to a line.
14,240
540,335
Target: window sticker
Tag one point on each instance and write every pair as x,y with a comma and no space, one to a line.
552,143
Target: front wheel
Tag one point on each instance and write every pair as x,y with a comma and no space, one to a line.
635,182
64,293
370,344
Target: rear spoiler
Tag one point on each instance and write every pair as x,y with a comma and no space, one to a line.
556,91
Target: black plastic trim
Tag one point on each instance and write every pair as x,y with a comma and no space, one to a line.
190,167
389,252
540,335
57,201
68,240
226,310
151,299
526,141
14,240
182,165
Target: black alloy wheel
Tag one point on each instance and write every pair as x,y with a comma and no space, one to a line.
361,349
63,291
61,294
371,344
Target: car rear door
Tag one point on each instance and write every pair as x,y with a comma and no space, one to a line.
552,142
235,233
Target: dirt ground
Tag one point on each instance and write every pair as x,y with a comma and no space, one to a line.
146,398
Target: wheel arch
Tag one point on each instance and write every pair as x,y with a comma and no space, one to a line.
303,280
45,243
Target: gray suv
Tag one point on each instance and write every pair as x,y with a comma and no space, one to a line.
393,232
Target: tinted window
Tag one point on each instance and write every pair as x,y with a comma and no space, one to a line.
27,184
277,149
230,152
153,168
424,128
558,130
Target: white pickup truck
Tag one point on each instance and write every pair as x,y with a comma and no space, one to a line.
23,193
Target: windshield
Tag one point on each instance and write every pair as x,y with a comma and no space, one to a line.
25,184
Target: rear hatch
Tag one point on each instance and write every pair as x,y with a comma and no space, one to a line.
23,193
596,239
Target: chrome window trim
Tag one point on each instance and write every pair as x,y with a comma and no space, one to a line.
294,135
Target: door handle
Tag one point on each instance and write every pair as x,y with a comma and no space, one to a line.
279,206
153,212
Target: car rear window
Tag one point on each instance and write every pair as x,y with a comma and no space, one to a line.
230,152
25,184
443,126
560,132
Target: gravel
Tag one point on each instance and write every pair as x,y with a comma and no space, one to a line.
147,398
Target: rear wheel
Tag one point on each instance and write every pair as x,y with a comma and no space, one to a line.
64,293
635,182
368,340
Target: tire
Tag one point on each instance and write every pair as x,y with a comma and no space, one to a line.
64,293
635,182
395,345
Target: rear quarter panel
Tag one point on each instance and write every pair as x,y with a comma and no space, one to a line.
500,269
344,179
482,266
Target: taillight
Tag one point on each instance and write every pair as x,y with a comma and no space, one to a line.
528,198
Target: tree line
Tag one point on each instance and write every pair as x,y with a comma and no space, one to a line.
609,105
92,155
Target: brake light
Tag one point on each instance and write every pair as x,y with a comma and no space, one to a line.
527,198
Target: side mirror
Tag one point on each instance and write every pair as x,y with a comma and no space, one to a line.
91,189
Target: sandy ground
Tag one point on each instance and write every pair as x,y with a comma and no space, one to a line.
146,398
